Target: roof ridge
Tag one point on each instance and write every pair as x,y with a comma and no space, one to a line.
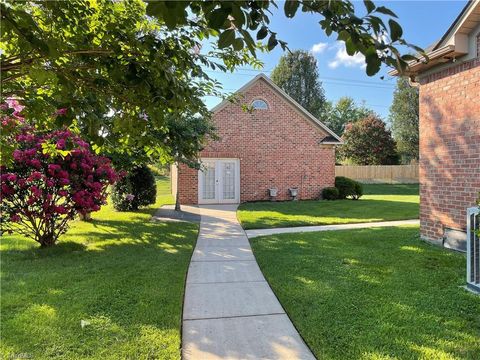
287,97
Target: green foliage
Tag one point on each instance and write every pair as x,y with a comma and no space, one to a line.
348,188
122,195
330,193
126,78
373,294
297,74
343,112
136,189
233,21
368,142
404,115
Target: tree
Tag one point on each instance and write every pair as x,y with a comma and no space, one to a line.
297,74
53,177
404,118
368,142
120,73
343,112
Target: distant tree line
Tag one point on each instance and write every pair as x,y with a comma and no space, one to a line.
367,138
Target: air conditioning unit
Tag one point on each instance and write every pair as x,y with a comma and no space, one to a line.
473,249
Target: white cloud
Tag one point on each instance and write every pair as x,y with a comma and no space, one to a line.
319,48
343,59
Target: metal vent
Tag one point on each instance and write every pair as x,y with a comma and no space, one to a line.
473,249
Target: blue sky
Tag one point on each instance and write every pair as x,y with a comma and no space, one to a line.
423,22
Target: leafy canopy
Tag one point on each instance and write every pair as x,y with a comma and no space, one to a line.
368,142
343,112
236,21
126,78
404,115
126,81
297,74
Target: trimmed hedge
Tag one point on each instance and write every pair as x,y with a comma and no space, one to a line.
136,189
348,188
330,193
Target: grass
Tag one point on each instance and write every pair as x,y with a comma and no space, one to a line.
377,293
380,202
121,274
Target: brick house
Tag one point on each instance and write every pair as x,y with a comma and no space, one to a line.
277,144
449,85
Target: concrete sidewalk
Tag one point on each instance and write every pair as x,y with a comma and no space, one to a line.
298,229
229,311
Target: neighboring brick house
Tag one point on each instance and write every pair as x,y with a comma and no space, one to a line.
450,129
277,144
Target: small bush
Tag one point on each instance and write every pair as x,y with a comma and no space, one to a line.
122,195
136,189
358,191
348,188
330,193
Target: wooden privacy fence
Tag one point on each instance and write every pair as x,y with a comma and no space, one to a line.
380,173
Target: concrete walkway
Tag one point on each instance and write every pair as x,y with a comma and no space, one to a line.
298,229
229,311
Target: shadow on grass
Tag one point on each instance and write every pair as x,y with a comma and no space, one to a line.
373,293
123,280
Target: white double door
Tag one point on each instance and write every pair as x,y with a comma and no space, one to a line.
219,181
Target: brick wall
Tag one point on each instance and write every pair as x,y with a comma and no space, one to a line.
449,146
277,147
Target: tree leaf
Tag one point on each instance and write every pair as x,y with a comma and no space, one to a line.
262,33
272,42
237,44
396,30
386,11
226,38
373,61
217,18
291,7
409,57
369,5
350,47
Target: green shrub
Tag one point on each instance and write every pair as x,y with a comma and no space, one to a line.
330,193
358,191
136,189
348,188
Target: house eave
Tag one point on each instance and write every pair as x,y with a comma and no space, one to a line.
433,58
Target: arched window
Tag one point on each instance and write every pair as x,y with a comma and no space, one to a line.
259,104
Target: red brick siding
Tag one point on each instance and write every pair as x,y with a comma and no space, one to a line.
277,147
449,147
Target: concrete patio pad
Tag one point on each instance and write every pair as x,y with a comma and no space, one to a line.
230,311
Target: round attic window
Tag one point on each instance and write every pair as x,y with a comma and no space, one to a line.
259,104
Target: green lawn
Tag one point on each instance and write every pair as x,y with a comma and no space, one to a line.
381,202
121,274
377,293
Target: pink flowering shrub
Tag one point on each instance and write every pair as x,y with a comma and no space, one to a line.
52,178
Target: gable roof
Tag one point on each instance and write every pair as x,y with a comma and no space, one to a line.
452,44
330,139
